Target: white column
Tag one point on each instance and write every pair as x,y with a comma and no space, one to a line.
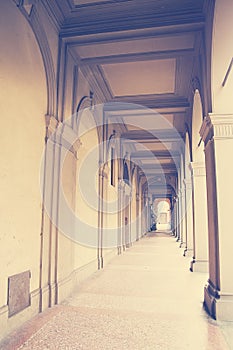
183,218
138,223
200,225
217,133
189,218
178,223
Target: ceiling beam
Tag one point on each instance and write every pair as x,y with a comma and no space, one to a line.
158,154
159,172
154,141
144,114
135,57
150,101
159,135
141,34
97,21
154,167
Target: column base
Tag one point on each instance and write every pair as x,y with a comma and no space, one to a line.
182,245
199,266
188,252
218,306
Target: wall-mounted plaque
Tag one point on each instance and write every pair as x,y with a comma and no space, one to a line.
18,292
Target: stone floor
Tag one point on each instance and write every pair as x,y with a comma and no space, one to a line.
145,299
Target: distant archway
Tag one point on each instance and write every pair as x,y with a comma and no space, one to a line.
162,211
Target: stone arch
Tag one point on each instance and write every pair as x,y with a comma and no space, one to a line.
23,103
33,18
197,119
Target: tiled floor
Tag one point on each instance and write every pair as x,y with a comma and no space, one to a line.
145,299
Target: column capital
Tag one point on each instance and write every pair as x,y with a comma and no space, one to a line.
198,169
51,123
187,183
217,126
179,193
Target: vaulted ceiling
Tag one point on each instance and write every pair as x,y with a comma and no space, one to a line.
143,53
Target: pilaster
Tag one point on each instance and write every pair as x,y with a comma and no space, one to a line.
200,223
217,133
183,218
189,217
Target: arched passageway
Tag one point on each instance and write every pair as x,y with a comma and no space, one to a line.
138,302
107,135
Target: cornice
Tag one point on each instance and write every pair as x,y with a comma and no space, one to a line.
217,127
105,19
94,78
54,12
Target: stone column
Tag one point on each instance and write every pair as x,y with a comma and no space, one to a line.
145,214
182,218
123,219
174,217
189,218
217,133
200,225
138,199
178,216
120,215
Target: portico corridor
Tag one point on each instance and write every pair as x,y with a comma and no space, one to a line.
144,299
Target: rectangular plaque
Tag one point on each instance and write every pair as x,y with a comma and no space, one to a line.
18,292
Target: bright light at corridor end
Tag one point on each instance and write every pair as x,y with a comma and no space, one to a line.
92,210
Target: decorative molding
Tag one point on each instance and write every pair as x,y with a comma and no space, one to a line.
104,170
62,135
187,184
135,57
197,169
196,85
217,126
54,12
51,124
155,101
97,84
25,5
31,13
114,18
